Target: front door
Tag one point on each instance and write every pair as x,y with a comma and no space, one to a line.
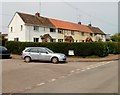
44,55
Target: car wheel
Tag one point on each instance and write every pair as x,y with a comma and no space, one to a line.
27,59
54,60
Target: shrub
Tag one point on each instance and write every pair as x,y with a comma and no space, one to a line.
113,47
80,49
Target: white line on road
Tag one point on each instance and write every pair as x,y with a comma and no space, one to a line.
83,70
40,84
72,71
52,80
28,88
77,69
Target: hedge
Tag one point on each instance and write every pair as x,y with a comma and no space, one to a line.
80,49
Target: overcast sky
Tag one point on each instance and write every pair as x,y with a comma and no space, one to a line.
101,14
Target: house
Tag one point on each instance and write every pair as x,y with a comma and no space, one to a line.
35,28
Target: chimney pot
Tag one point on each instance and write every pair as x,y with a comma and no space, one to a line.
37,14
89,24
79,23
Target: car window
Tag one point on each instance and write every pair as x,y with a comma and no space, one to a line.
50,51
27,50
2,48
35,50
42,51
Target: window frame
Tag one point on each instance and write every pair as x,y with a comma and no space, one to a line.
54,30
34,39
60,40
36,28
60,31
11,29
21,28
16,39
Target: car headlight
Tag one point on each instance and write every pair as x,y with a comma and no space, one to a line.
62,55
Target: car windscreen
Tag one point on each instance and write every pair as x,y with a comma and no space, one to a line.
2,48
50,51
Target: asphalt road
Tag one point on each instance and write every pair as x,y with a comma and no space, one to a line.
101,79
77,77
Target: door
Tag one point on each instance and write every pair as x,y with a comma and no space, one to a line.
34,53
44,55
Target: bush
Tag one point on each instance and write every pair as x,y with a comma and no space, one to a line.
80,49
113,47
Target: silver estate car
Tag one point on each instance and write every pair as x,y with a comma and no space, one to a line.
42,54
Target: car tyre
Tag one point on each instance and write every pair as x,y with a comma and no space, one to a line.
55,60
27,59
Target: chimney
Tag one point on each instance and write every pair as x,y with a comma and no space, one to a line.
79,22
37,14
89,24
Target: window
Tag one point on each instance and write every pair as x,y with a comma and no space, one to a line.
82,40
35,50
91,34
42,50
11,29
52,30
36,39
21,27
60,31
72,32
16,39
53,40
60,40
36,28
44,29
83,34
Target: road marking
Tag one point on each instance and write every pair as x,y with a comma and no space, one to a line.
40,84
69,74
72,71
83,70
62,76
52,80
77,69
88,68
28,88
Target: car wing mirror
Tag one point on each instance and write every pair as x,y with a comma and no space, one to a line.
46,52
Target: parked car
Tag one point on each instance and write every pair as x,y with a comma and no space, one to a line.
42,54
4,52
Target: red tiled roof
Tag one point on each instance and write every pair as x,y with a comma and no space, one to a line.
69,26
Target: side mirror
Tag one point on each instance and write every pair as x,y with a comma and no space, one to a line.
46,52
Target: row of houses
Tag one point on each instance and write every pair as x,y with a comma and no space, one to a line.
35,28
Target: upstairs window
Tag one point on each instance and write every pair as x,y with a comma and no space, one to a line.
36,28
83,34
72,32
21,27
60,31
36,39
11,29
91,34
52,30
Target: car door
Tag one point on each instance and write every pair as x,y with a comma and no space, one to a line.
34,54
44,55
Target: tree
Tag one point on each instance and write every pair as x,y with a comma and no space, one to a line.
116,37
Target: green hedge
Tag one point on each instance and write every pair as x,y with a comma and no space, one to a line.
113,47
80,49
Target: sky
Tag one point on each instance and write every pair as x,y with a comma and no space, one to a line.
100,14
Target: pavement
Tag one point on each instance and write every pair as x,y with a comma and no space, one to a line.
110,57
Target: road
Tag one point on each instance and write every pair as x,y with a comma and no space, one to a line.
77,77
